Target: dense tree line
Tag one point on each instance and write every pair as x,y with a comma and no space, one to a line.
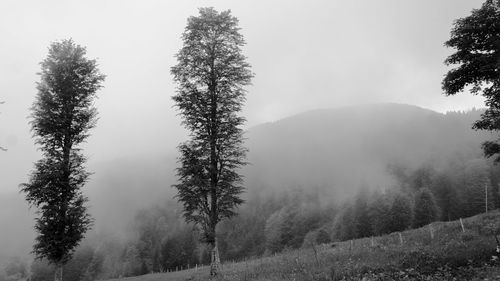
159,239
419,197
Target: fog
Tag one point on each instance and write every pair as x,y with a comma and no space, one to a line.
305,55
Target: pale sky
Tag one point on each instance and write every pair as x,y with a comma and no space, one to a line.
305,55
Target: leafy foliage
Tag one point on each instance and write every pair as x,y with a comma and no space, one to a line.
211,73
476,39
61,118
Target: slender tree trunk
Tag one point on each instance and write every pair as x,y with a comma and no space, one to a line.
214,251
214,259
58,275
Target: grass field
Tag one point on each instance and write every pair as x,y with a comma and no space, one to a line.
440,251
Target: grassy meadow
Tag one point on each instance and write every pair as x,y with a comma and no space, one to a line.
440,251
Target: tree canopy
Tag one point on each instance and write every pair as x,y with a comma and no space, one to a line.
211,73
476,39
61,117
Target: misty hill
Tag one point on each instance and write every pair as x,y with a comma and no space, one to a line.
337,150
344,148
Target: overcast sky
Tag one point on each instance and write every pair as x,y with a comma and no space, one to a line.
305,55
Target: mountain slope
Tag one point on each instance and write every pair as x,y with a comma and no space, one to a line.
347,147
337,149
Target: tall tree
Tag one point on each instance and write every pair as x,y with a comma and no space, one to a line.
61,117
400,213
211,73
476,39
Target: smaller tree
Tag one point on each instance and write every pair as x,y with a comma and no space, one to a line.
380,214
274,231
400,213
425,208
362,220
447,197
478,190
343,225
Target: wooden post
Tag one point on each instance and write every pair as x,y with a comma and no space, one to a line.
196,267
350,245
400,238
462,224
486,197
431,230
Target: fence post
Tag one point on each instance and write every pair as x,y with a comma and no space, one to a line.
400,238
431,230
462,224
486,197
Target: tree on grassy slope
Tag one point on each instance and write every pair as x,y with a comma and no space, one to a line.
61,117
211,72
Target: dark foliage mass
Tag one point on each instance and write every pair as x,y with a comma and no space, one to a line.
211,73
476,39
61,118
425,208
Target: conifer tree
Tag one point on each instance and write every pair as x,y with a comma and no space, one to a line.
477,188
447,197
400,213
362,219
61,117
380,211
211,73
425,208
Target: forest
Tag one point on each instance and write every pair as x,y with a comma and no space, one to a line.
276,219
306,194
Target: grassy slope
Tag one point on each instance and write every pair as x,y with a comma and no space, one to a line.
450,253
